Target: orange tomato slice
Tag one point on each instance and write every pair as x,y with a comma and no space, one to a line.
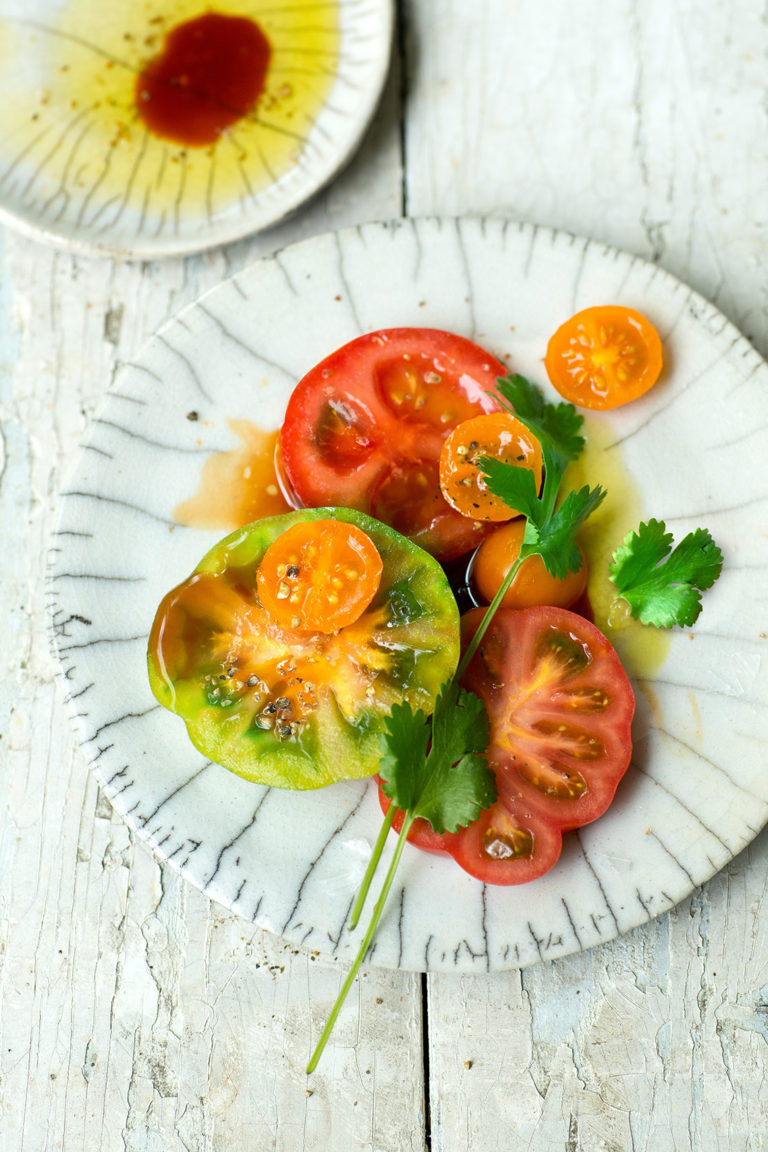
604,357
532,585
319,576
497,434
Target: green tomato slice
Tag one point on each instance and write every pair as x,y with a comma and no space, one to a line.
300,709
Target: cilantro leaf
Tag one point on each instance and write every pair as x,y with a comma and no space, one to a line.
662,585
404,753
555,540
515,486
451,784
557,427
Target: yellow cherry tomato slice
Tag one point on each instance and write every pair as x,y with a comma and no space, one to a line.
604,357
319,576
497,434
533,584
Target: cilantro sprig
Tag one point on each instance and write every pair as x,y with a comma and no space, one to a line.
662,585
431,771
550,531
551,527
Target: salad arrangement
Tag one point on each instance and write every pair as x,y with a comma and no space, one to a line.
325,643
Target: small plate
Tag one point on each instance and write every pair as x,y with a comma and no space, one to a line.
691,452
79,169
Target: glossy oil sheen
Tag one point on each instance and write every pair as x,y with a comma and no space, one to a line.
96,55
640,648
238,486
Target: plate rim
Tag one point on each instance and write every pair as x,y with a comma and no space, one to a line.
739,343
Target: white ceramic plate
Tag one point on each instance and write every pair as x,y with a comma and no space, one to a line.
78,168
693,452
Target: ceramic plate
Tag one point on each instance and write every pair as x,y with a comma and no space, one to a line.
78,166
692,452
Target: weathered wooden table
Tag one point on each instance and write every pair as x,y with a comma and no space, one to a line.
136,1014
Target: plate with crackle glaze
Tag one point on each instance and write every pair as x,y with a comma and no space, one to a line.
135,520
142,131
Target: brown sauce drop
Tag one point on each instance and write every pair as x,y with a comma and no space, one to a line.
210,73
237,487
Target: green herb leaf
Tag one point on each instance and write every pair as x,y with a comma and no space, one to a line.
555,541
515,486
447,783
452,784
557,427
663,585
404,743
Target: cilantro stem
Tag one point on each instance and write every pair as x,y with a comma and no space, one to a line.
373,864
482,627
365,944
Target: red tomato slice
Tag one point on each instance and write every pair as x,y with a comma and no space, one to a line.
364,429
560,707
508,844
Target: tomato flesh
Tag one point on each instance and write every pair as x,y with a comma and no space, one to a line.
604,357
288,706
365,427
319,575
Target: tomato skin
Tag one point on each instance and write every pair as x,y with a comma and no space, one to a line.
287,707
532,585
604,357
364,429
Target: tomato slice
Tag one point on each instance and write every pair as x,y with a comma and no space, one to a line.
509,843
292,707
604,357
497,434
560,708
532,585
319,575
365,427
